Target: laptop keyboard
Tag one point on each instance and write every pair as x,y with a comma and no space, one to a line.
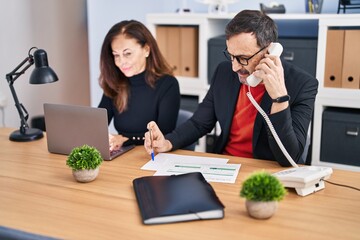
114,152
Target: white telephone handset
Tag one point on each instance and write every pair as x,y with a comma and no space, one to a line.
275,49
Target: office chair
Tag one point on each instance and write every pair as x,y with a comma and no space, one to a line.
183,116
348,4
38,122
304,156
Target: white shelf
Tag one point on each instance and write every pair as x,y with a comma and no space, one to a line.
331,97
351,96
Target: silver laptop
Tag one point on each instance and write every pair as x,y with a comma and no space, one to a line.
69,126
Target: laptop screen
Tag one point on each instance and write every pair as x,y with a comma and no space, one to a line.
69,126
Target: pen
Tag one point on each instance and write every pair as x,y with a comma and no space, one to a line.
151,145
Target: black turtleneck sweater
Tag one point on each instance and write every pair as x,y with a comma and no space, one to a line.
160,104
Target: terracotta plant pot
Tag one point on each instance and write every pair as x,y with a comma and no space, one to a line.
85,175
261,210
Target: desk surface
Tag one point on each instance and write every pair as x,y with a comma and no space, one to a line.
38,194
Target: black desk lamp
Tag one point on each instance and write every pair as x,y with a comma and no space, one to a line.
41,74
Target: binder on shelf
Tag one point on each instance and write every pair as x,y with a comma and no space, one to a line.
179,45
189,51
161,39
351,63
173,50
176,198
168,39
334,58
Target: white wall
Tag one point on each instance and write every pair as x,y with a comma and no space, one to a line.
60,28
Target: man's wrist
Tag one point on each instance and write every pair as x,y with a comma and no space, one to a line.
278,107
281,99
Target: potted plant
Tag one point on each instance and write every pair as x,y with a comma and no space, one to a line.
85,162
262,191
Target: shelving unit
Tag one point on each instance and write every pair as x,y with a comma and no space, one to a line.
331,97
211,25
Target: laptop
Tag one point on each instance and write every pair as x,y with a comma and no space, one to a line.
69,126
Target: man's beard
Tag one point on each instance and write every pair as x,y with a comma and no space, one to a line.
243,74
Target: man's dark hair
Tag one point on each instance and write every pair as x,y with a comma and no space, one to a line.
252,21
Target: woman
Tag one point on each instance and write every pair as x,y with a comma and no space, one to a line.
138,84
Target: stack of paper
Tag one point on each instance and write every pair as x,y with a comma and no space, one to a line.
213,169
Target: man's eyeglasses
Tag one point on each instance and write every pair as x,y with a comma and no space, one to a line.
241,59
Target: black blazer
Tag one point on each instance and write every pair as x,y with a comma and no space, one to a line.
219,105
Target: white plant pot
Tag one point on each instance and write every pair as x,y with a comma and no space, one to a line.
261,210
86,175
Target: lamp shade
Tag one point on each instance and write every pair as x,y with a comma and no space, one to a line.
42,72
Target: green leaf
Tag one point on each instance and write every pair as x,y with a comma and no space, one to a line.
84,157
262,186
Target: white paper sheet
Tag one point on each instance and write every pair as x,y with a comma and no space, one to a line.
213,169
225,173
162,158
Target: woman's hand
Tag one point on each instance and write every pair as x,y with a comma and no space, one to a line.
116,141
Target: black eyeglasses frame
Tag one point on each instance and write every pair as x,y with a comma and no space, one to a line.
240,58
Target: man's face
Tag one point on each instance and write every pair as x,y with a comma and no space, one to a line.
243,47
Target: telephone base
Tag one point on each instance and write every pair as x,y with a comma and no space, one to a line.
305,180
311,189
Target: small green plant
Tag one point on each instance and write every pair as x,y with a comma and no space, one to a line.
264,187
84,157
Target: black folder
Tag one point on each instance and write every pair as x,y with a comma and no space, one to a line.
176,198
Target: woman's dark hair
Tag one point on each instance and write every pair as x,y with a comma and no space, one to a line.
113,82
252,21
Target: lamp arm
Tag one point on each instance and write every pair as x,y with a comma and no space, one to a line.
11,77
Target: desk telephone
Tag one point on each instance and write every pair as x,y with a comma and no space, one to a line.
307,179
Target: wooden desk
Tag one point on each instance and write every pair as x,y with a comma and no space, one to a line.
38,194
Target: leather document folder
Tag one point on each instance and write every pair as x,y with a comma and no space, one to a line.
176,198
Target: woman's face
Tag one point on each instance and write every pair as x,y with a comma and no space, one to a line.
129,56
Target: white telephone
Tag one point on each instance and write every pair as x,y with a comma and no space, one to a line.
275,49
305,180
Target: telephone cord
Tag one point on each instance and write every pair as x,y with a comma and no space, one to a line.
272,129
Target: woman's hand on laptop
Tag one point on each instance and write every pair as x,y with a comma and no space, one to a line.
116,141
158,143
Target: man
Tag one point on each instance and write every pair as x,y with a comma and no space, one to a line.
286,94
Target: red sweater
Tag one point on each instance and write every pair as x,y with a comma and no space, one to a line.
242,126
